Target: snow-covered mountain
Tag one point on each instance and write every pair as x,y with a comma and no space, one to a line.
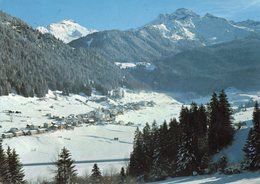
66,30
184,24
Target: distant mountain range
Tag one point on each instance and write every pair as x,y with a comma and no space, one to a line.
188,52
168,34
182,52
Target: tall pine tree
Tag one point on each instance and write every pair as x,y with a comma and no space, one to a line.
66,172
15,167
221,132
252,147
214,124
161,165
96,176
4,170
174,142
137,162
226,120
148,148
202,136
187,150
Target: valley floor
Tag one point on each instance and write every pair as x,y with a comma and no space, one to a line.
93,142
96,142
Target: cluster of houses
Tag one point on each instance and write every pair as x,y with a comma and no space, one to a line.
99,116
117,93
47,127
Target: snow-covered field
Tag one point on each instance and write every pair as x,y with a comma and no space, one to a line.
85,143
96,142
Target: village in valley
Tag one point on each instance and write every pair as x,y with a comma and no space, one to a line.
99,116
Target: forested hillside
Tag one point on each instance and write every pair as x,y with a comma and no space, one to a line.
31,63
202,70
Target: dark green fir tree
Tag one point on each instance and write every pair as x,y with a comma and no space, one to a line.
96,176
66,172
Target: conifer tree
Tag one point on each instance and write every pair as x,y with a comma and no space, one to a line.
137,157
96,176
202,121
4,171
202,134
226,120
186,155
174,142
252,147
160,164
221,132
249,149
256,117
195,127
214,125
186,159
15,167
66,172
154,128
148,148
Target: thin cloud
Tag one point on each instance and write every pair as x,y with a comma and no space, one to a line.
253,3
231,8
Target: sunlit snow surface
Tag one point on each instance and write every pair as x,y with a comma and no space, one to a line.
244,178
97,141
85,143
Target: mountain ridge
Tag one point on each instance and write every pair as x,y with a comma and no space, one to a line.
164,36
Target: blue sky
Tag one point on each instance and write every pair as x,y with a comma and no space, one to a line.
122,14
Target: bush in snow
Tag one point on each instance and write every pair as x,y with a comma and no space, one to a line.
222,164
235,169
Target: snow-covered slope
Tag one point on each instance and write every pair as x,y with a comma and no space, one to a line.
243,178
66,30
